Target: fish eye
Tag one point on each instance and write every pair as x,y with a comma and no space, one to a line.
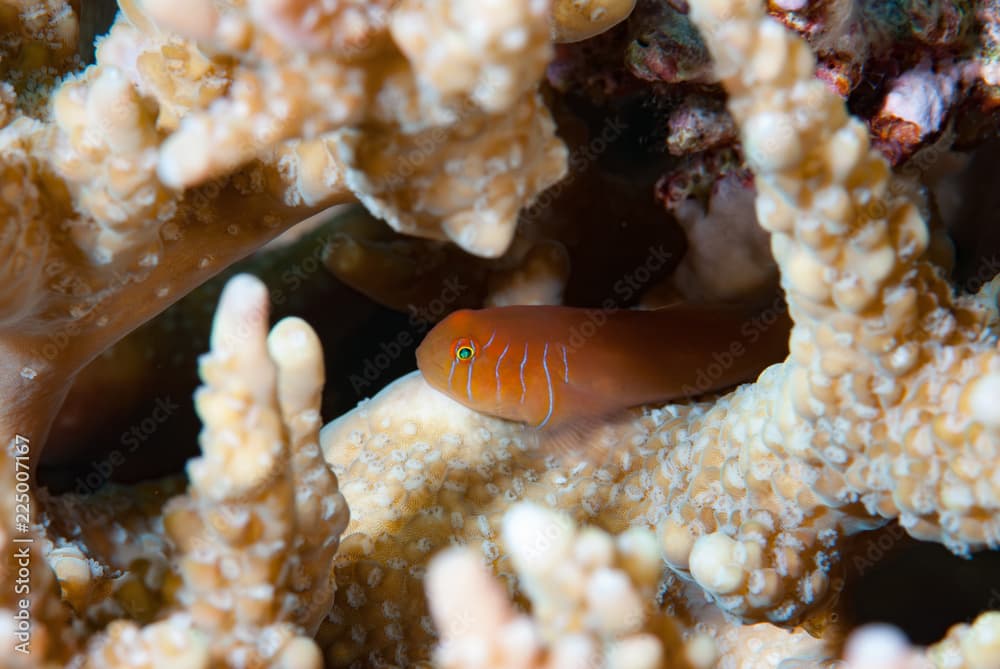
464,350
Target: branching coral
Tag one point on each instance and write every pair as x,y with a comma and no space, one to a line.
590,597
489,164
974,646
98,245
257,530
421,472
539,278
876,325
434,108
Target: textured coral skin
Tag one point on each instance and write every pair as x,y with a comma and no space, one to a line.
425,96
587,591
257,530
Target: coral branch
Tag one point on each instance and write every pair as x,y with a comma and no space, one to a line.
588,591
258,529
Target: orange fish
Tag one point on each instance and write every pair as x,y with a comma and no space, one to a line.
552,366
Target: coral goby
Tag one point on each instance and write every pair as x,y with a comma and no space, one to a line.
549,366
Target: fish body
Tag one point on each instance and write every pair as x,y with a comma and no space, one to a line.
548,366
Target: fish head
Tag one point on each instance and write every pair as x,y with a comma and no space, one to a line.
449,351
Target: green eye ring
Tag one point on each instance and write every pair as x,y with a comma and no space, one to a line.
464,350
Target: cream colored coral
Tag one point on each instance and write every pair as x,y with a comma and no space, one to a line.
575,20
107,548
591,597
281,93
422,472
975,646
107,151
343,26
164,67
494,51
253,538
262,109
876,414
466,183
438,126
724,233
310,167
259,528
26,226
477,624
96,243
872,324
872,416
169,643
175,642
539,278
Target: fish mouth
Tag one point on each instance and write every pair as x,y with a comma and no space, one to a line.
432,370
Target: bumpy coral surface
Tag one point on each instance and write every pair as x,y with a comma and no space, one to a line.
965,647
589,595
247,572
